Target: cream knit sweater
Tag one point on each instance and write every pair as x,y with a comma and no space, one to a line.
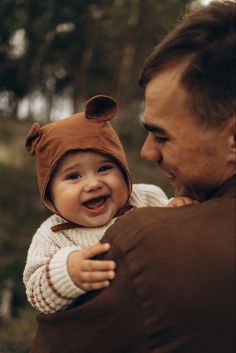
49,287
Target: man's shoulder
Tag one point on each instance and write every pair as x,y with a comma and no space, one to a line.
155,214
211,216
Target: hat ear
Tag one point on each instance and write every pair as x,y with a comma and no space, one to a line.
101,107
32,138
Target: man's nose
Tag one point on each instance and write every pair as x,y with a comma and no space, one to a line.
92,183
150,150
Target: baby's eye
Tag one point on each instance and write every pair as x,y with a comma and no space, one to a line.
105,167
73,176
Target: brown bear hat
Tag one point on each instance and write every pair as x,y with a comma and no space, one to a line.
82,131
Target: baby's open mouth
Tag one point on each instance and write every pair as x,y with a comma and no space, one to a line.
95,203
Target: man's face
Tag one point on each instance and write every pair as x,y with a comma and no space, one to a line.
192,157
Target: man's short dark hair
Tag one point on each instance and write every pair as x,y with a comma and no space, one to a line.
206,38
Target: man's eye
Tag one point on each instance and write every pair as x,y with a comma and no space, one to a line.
105,167
160,139
73,176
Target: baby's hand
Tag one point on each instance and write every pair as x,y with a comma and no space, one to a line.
89,274
181,201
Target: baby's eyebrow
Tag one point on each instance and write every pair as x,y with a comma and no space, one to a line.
106,161
69,168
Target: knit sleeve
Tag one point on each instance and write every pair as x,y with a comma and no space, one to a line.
49,287
148,195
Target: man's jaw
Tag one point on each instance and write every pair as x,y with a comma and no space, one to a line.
170,176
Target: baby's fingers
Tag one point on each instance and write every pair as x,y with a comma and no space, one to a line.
94,277
97,249
181,201
97,265
96,280
188,201
95,285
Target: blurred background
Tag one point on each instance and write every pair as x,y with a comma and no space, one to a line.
54,55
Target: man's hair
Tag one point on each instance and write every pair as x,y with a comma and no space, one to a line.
206,38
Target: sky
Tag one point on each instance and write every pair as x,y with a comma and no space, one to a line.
205,2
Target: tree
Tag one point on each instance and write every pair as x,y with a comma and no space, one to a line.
88,47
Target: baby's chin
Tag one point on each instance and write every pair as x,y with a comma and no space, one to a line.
94,223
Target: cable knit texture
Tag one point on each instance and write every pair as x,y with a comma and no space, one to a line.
49,287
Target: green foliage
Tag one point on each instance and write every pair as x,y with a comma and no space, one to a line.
81,44
21,212
16,334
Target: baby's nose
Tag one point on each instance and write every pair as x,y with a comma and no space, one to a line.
92,184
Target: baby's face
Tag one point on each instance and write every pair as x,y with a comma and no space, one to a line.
88,188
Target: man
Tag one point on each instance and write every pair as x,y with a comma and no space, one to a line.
174,288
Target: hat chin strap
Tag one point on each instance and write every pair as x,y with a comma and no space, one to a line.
64,226
49,205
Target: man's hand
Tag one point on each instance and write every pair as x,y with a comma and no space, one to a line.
179,201
89,274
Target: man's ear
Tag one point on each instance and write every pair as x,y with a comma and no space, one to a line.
232,140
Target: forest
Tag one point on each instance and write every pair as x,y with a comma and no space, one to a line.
54,55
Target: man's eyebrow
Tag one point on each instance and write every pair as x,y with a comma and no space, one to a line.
153,128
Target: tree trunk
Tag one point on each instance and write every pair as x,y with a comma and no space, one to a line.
81,80
127,61
6,301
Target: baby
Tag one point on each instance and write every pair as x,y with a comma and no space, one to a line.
84,179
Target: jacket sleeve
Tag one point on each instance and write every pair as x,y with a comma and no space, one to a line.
49,287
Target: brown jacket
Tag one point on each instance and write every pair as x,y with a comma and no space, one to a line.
174,290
